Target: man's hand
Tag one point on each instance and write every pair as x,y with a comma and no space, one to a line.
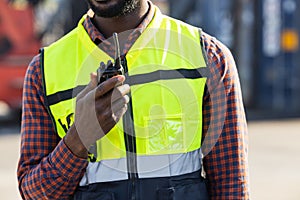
98,109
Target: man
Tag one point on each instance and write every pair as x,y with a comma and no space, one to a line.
137,137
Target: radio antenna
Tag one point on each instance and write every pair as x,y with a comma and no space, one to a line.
117,52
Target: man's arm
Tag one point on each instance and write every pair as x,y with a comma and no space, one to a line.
225,128
47,168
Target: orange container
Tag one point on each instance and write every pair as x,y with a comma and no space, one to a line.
17,30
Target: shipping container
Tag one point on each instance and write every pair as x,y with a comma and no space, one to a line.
18,46
277,71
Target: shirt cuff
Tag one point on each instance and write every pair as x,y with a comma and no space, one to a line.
67,164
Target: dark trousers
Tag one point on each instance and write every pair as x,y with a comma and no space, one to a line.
189,186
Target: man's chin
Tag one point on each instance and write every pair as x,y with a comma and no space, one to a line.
113,8
107,8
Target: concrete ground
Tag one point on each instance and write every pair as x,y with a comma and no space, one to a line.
274,159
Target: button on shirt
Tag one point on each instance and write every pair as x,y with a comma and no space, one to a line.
48,168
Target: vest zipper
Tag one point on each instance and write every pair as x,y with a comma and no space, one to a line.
130,143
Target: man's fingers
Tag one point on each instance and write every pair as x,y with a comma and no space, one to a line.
108,85
117,115
119,103
120,92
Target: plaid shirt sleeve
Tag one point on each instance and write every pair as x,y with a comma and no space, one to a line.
225,128
47,168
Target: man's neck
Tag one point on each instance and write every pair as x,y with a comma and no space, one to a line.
107,26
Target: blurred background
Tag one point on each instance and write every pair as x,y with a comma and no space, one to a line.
263,36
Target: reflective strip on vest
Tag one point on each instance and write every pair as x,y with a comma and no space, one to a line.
148,167
167,74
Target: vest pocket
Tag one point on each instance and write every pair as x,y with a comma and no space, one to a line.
165,134
196,190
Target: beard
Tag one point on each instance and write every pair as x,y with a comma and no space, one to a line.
120,8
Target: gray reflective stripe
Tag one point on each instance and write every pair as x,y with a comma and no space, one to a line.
168,165
148,167
105,171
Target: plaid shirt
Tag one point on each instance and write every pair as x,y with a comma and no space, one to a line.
48,169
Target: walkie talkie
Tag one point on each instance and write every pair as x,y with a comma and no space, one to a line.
106,71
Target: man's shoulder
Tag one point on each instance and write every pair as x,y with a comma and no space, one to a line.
63,41
214,46
209,41
34,65
181,23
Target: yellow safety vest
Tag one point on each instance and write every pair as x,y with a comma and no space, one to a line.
165,71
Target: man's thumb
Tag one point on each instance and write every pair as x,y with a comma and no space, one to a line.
92,85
